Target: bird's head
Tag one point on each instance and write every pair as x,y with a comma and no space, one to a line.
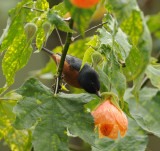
89,80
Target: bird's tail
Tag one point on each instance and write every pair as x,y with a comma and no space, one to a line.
48,51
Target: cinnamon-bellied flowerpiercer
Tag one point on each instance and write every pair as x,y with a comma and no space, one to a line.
86,78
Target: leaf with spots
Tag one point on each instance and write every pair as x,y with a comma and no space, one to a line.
53,116
133,28
18,48
17,17
15,58
132,22
116,40
147,114
17,140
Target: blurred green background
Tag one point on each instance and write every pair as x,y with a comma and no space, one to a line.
38,61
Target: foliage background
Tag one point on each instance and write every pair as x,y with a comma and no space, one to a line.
38,61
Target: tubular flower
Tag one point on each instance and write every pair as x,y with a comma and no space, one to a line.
110,120
84,3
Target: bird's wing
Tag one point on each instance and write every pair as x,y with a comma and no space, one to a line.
73,62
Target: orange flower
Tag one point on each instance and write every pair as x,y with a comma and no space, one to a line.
84,3
110,120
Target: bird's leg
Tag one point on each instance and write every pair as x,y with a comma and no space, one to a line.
53,87
56,76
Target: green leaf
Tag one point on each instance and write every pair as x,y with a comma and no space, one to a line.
53,115
153,72
18,17
118,80
17,140
136,87
133,26
134,64
87,56
18,50
129,142
153,23
138,59
56,20
117,42
60,8
15,58
82,17
105,81
147,114
126,109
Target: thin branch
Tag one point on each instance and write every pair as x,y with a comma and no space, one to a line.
64,53
39,10
76,37
144,82
8,99
59,37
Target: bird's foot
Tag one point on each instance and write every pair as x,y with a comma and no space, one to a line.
54,86
56,76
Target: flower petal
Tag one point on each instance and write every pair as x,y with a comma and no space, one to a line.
108,130
103,115
121,120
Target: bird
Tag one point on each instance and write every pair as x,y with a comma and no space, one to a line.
84,78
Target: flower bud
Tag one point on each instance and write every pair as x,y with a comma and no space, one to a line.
110,120
30,30
96,58
46,26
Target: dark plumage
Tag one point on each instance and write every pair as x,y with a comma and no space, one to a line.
86,78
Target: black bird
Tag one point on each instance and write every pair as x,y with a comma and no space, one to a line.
86,78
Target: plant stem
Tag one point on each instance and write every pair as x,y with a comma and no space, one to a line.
64,53
74,38
59,37
39,10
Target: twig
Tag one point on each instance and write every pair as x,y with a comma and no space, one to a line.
59,37
90,29
8,99
144,82
64,53
39,10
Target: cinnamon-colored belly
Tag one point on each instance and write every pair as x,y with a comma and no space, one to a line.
70,74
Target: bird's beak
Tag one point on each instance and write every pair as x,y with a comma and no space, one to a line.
98,94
